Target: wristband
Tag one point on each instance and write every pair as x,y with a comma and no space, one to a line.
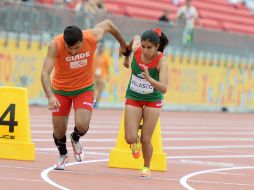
127,53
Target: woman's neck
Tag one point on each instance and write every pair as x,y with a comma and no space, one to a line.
147,61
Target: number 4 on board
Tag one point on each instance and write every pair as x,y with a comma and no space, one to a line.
11,123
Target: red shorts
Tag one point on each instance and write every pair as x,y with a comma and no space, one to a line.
139,103
84,100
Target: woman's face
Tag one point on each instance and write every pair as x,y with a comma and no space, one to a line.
148,49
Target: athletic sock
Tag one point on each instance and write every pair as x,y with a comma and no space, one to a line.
61,145
76,134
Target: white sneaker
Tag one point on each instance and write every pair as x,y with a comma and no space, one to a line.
61,161
78,150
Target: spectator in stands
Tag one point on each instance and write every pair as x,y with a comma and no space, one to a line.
189,15
101,72
144,94
165,16
70,55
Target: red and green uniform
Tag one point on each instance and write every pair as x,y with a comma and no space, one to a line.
138,87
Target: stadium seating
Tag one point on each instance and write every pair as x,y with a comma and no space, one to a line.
214,14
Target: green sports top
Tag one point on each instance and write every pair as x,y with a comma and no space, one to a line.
138,87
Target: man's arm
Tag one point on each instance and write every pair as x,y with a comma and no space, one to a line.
45,75
47,69
136,43
108,26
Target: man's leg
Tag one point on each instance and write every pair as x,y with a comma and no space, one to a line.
60,128
83,105
60,122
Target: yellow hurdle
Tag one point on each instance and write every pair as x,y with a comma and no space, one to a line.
121,156
15,136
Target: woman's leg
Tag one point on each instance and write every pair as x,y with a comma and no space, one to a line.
132,119
150,118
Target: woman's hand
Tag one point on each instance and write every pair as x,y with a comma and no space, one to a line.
146,73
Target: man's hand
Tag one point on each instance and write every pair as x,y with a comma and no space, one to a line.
53,103
126,62
122,49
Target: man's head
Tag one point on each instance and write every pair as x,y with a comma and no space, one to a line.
73,39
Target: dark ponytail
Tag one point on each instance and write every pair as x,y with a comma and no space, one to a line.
163,42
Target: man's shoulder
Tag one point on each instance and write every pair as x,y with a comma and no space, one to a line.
88,34
89,37
58,37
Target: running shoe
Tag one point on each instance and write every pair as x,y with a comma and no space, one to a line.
61,162
145,172
78,150
135,148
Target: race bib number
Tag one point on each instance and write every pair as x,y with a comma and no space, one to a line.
79,63
140,86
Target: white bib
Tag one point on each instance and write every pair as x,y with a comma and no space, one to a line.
140,86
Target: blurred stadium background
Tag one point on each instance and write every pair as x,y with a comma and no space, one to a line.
214,73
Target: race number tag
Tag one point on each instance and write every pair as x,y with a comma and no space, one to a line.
140,86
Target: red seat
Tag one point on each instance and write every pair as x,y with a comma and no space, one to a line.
143,13
239,28
152,5
225,17
210,23
114,8
215,14
203,5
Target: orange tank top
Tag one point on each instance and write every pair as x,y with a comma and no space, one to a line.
74,72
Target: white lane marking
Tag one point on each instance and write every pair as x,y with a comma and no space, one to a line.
87,148
166,148
81,140
102,132
44,173
163,139
22,179
115,126
185,178
164,132
198,162
213,156
223,183
208,147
